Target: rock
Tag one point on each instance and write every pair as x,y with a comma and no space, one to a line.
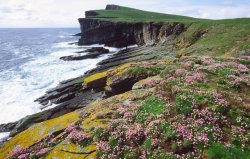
73,43
122,34
86,97
96,81
61,92
112,7
90,13
95,50
32,135
91,53
7,127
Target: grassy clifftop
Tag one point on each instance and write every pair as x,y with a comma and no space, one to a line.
203,36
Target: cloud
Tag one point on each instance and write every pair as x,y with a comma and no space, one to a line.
64,13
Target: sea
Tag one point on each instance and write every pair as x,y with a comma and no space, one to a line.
30,65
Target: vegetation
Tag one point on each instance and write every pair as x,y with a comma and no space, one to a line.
197,108
217,37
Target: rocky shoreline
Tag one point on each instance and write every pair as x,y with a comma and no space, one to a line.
71,95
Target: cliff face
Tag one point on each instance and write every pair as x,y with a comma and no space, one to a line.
122,34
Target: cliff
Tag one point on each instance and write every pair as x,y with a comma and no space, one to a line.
153,101
123,34
119,26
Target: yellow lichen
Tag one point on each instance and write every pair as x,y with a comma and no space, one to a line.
69,150
37,132
227,54
95,77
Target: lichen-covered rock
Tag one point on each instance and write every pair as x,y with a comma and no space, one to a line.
35,133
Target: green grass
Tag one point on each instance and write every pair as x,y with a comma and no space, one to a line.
203,36
135,15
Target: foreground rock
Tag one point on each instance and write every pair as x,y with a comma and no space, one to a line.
89,54
193,101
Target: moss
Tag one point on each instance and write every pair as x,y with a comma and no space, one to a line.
153,105
146,71
38,131
95,77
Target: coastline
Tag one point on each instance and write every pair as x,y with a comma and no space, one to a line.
159,97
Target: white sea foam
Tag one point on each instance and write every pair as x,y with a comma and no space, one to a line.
4,135
19,89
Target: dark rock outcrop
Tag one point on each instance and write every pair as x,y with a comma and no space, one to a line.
90,13
90,53
122,34
86,97
7,127
112,7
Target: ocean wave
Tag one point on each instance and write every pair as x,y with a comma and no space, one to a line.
34,78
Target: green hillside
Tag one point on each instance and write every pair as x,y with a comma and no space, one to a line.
203,36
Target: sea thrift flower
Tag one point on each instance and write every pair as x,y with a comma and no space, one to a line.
180,72
207,60
42,151
243,68
76,136
23,156
203,138
196,77
236,81
218,99
17,151
188,64
103,146
70,128
135,133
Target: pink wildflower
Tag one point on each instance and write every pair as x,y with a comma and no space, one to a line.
180,72
218,99
242,68
23,156
70,128
76,136
103,146
203,138
17,151
135,133
196,77
188,64
200,121
42,151
207,60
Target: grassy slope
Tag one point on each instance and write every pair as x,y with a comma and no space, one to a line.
228,36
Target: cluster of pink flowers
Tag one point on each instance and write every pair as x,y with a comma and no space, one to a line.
219,100
42,151
240,67
70,128
103,146
196,77
76,136
17,151
180,72
207,60
237,81
184,130
24,156
188,64
212,67
203,138
135,133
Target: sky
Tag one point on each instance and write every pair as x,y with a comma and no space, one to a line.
64,13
